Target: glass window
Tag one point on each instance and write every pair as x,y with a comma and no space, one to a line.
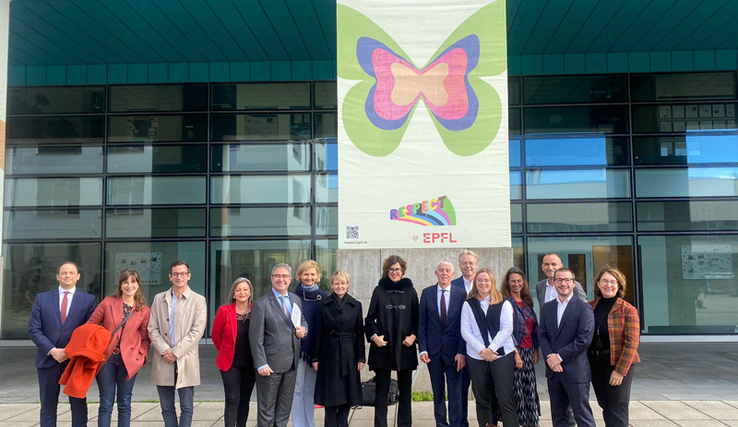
326,188
145,223
174,128
157,158
516,218
687,86
30,269
326,97
689,284
237,189
326,156
605,120
691,149
42,130
514,152
513,120
152,260
156,190
142,98
326,125
53,224
325,256
260,127
326,220
519,256
579,217
34,192
687,182
513,90
56,99
516,185
291,157
688,216
256,221
683,118
586,256
578,184
586,89
52,160
576,150
262,96
253,260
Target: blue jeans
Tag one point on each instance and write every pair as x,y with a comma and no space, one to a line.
113,376
186,399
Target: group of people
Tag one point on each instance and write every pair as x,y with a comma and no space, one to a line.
307,347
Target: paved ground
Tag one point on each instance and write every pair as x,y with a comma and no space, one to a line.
692,384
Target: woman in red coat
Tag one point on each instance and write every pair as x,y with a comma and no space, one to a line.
231,338
128,348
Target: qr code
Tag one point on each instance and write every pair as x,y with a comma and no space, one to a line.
353,232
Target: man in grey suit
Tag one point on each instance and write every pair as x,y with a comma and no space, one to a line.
275,346
546,291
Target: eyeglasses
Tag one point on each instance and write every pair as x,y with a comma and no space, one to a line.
185,274
395,270
566,280
281,276
608,282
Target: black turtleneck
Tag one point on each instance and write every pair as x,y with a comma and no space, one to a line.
600,314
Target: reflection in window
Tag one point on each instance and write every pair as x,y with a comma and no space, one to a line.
254,189
30,269
687,182
519,256
53,224
51,160
579,217
688,86
159,158
694,148
688,216
151,223
608,120
172,128
578,184
156,190
326,155
326,220
576,150
513,119
261,127
326,188
516,185
516,218
326,97
689,284
684,118
129,98
326,125
257,221
514,152
56,100
53,192
261,157
583,89
42,130
261,96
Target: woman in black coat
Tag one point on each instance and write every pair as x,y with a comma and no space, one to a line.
391,326
338,352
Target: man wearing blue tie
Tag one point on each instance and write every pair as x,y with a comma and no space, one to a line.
55,315
441,346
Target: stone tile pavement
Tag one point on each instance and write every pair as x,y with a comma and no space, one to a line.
642,414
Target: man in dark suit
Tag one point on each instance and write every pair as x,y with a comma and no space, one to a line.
566,329
546,289
441,346
55,315
275,346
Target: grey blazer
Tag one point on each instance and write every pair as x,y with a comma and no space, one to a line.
272,335
541,293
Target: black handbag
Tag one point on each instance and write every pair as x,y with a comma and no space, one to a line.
369,392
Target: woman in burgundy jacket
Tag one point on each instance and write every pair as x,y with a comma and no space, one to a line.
128,348
231,338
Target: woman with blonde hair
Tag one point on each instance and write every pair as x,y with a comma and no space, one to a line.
487,327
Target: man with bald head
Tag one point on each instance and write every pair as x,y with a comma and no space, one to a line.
441,346
545,289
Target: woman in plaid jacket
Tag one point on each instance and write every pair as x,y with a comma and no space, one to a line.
614,347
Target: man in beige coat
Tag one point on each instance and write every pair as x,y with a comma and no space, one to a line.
177,322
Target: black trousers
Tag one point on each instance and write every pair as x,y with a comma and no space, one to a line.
337,416
48,386
490,380
614,401
238,384
405,385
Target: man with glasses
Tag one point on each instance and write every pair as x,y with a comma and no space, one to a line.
566,329
275,345
177,322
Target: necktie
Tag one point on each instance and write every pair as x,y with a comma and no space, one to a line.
286,309
65,301
443,306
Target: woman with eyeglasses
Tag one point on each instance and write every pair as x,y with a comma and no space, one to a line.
391,326
614,347
303,404
525,331
235,362
487,327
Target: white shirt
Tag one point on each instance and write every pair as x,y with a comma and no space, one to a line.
473,337
551,293
70,297
446,296
561,307
467,284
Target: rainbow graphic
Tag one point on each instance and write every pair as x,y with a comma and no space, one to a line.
436,212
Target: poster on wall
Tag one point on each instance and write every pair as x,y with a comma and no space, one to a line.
422,116
707,261
147,264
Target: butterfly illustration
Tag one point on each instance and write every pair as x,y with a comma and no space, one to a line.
465,109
